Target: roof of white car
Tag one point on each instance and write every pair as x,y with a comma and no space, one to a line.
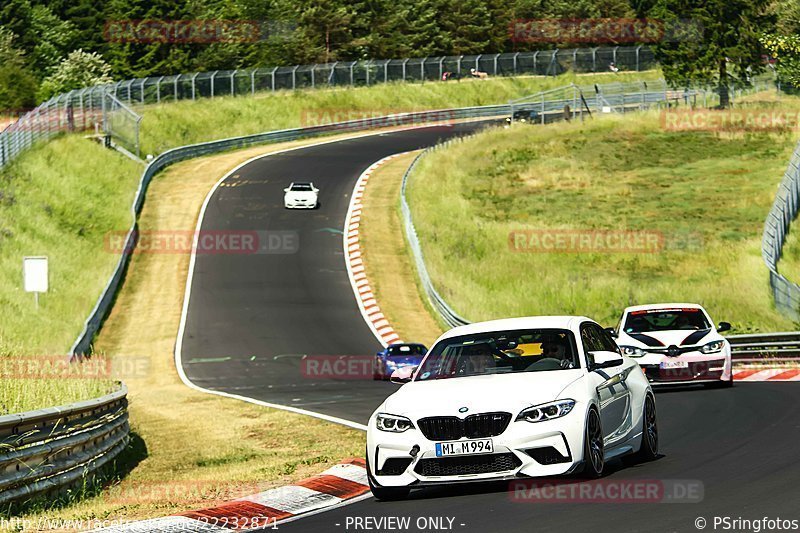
525,322
673,305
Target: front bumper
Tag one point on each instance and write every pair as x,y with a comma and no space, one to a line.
699,368
299,205
524,449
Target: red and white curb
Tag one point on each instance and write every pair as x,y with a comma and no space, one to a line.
334,486
768,374
370,310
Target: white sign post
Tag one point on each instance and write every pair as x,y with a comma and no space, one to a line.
35,275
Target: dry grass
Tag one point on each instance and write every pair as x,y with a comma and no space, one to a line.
388,264
191,449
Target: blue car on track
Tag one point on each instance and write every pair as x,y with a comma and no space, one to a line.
397,356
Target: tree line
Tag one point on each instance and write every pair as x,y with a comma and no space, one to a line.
48,46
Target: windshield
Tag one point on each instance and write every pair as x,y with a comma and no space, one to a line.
407,349
665,320
500,352
301,187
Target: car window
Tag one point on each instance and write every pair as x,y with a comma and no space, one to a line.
690,318
606,340
590,339
500,352
407,349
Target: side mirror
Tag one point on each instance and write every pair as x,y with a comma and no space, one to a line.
402,375
612,332
286,189
724,326
603,359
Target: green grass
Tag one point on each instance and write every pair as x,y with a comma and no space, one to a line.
706,193
60,200
178,123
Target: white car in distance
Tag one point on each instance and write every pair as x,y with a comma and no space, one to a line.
507,399
676,344
301,195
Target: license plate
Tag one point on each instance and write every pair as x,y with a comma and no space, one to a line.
674,364
464,447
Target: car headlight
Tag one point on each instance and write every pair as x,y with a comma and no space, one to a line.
546,411
713,347
393,423
632,351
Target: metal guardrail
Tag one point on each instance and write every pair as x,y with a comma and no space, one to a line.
447,314
53,448
88,108
761,347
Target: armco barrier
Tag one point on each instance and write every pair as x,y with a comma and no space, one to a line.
49,449
761,347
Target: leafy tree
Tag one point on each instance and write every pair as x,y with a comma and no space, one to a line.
54,38
727,51
17,83
79,69
784,43
786,50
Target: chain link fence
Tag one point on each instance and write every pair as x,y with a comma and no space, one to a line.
783,212
83,109
121,124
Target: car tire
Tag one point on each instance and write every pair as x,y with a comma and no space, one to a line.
386,494
376,374
593,458
648,451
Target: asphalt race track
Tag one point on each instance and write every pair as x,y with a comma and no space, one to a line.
252,317
740,444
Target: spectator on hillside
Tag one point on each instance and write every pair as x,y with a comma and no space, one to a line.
475,73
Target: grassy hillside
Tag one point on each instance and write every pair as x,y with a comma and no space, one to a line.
704,195
176,124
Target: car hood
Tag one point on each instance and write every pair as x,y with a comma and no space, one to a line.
479,394
663,339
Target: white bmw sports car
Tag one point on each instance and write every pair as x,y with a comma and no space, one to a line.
301,195
676,344
511,398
